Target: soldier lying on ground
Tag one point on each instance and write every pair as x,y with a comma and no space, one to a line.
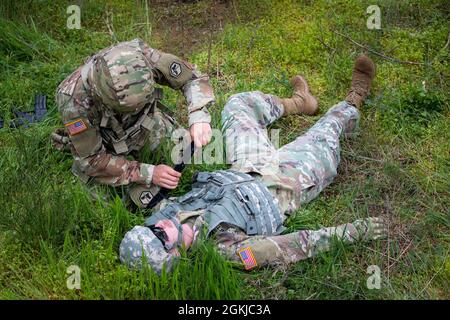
243,208
111,108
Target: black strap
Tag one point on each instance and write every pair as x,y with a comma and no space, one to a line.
163,192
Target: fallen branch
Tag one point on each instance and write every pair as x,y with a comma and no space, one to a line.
400,255
109,25
330,49
448,42
378,53
432,278
362,157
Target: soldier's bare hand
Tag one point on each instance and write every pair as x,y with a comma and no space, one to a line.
166,177
201,133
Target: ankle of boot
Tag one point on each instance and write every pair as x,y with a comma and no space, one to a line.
354,99
290,106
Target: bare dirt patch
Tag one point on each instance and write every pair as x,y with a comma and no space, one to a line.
183,27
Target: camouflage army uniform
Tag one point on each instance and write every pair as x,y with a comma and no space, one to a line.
94,156
294,174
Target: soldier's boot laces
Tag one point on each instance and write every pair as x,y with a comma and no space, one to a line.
363,74
302,101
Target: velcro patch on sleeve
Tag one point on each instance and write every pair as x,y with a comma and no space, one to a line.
75,127
247,257
175,69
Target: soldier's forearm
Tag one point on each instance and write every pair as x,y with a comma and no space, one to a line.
116,170
371,228
199,95
198,116
304,244
316,241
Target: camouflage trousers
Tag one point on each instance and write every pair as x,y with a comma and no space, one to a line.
295,173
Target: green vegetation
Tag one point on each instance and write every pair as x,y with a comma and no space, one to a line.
397,166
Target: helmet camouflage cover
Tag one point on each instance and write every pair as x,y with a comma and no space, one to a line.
121,78
140,243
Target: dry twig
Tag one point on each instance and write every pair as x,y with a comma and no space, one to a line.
381,55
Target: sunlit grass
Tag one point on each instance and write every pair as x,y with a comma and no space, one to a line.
397,165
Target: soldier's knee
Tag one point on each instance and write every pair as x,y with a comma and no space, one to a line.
240,95
246,99
231,107
226,111
236,102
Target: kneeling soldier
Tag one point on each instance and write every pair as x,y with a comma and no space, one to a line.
110,109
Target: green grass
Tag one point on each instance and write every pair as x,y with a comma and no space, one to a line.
397,166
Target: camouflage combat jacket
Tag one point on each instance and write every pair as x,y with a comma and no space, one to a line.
93,156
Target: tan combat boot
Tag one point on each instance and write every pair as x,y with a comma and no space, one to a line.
302,101
363,74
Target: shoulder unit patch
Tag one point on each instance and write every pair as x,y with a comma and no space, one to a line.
175,69
75,127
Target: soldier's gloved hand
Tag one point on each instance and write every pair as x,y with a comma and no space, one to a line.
60,140
372,228
166,177
201,133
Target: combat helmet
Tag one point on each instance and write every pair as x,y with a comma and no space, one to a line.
147,244
121,77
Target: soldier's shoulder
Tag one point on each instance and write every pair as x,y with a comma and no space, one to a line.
72,99
135,44
71,83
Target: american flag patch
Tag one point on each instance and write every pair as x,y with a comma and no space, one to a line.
247,258
75,127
